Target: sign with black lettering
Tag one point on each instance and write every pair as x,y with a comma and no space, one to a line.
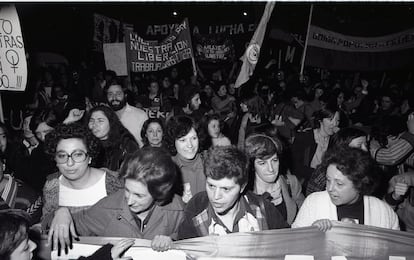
13,65
213,48
146,55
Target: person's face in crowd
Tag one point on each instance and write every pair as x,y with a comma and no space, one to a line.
340,188
187,146
166,83
223,194
99,125
77,164
176,89
137,196
116,97
24,251
195,102
222,91
154,134
340,99
230,89
213,128
174,73
330,125
3,140
318,92
208,90
153,88
267,169
360,143
42,130
386,103
297,102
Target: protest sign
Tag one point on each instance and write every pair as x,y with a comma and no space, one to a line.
319,37
213,48
336,51
13,65
115,58
107,30
146,55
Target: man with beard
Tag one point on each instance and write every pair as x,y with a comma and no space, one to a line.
189,100
132,118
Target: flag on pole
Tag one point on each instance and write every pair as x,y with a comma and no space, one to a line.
251,56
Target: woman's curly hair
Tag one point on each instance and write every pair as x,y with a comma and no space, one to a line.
74,130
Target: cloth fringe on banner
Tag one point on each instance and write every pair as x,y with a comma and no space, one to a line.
251,56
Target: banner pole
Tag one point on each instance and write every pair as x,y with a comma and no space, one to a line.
194,66
302,65
1,110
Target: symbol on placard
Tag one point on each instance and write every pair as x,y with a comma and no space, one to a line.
3,80
13,58
19,81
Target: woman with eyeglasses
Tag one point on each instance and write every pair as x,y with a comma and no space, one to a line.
76,185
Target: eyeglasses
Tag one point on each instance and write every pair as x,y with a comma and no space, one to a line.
77,156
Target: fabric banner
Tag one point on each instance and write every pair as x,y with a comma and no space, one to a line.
106,30
343,240
13,65
321,38
152,56
252,53
213,48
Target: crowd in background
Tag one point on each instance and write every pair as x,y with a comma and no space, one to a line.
293,126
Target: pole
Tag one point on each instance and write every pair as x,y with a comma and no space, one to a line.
279,60
194,66
1,110
302,65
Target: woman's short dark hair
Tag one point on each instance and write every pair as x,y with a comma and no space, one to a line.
355,164
226,162
46,115
345,136
116,129
74,130
13,230
177,127
328,111
145,127
154,167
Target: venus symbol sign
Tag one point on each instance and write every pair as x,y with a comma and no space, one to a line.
13,65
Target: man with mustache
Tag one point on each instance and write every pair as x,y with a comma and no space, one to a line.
132,118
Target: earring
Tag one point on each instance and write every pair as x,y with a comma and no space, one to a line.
90,160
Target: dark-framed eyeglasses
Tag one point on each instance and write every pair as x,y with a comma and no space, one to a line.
77,156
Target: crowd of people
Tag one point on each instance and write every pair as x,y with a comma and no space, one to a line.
171,156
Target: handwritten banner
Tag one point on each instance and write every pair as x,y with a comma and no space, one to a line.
213,48
13,65
319,37
152,56
231,29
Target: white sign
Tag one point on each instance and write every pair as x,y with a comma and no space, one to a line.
115,58
13,65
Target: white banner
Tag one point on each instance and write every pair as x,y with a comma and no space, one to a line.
319,37
13,65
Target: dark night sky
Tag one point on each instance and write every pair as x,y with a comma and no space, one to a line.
67,27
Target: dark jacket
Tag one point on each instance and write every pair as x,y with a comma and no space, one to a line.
303,149
111,217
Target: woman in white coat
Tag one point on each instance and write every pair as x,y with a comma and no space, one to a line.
349,181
